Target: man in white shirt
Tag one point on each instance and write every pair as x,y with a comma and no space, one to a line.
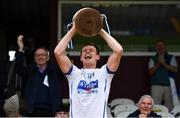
88,87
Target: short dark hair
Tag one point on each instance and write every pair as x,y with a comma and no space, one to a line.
42,47
62,107
160,40
92,44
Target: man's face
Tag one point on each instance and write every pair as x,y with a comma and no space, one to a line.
41,57
160,47
146,106
89,55
62,114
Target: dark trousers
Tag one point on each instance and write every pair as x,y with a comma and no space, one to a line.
41,112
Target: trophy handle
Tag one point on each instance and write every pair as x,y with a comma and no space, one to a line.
68,27
106,23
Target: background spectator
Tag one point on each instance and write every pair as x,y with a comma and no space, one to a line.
161,67
145,106
62,111
42,92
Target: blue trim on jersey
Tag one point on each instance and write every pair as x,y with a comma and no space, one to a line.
70,70
71,102
104,100
104,108
110,72
105,85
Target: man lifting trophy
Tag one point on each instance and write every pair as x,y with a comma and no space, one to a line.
89,86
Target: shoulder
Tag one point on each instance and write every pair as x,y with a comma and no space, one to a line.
153,114
134,114
154,56
168,55
74,69
105,69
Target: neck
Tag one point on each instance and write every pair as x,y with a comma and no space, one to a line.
42,66
89,66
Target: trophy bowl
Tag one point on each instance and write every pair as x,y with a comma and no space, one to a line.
88,21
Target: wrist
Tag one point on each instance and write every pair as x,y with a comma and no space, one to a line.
21,50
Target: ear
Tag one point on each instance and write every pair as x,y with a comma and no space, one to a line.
80,58
97,57
47,58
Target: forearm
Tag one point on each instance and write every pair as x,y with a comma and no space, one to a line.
114,59
63,43
169,67
20,63
153,69
21,49
112,43
60,51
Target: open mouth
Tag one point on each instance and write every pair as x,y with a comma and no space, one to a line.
88,57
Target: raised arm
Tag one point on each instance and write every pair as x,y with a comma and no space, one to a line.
20,63
60,51
115,57
20,43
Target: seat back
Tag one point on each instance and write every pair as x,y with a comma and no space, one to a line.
176,111
123,114
123,108
165,114
109,115
160,108
120,101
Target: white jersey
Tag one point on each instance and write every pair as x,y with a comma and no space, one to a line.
88,92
